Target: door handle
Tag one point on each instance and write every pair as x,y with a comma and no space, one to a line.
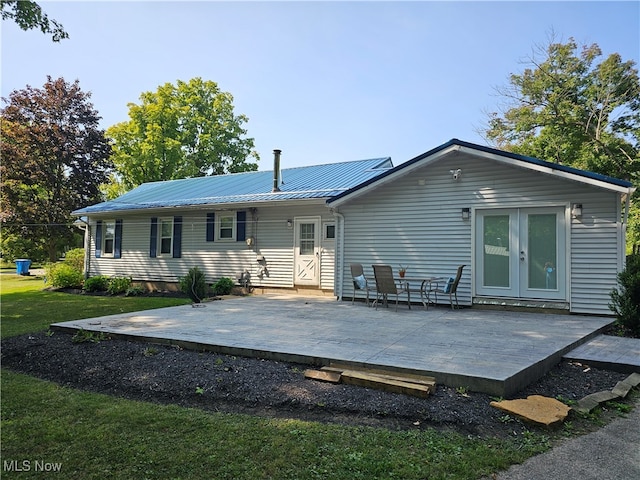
522,255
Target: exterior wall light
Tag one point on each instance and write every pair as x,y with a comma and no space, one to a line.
576,210
466,213
289,224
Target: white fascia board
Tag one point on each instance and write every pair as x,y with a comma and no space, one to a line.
548,170
401,172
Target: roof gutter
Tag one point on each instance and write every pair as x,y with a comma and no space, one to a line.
205,206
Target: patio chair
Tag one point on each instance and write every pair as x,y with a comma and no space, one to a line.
360,282
386,285
450,288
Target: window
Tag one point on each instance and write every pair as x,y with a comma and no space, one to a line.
307,239
329,231
226,225
166,236
109,237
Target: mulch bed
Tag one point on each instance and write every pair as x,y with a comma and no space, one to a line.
223,383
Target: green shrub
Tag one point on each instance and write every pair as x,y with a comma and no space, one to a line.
223,286
99,283
82,336
625,300
134,291
75,258
63,275
118,285
194,285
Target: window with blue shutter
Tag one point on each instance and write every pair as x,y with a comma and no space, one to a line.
211,226
177,237
241,226
98,238
117,250
153,242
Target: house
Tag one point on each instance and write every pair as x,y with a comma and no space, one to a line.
271,228
532,233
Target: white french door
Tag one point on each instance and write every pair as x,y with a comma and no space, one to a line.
307,251
521,253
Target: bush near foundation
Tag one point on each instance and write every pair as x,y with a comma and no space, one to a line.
223,286
75,258
625,299
64,275
98,283
194,285
118,285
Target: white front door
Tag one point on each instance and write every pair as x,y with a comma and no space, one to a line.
307,251
521,253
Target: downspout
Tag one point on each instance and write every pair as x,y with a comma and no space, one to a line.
623,230
87,248
339,274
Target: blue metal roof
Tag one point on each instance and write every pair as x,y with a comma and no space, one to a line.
534,161
319,181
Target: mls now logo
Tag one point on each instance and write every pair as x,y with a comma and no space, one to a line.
28,466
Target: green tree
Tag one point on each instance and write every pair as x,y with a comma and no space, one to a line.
54,159
28,15
570,106
181,131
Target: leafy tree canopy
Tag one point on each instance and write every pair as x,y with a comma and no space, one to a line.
181,131
28,15
54,159
572,106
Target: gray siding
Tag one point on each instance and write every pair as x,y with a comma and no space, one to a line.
272,239
406,223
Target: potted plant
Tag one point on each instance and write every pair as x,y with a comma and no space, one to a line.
402,271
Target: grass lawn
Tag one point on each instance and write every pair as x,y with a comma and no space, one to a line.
26,307
87,435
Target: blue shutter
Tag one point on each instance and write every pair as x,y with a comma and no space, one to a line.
241,226
177,237
98,238
211,226
153,242
117,248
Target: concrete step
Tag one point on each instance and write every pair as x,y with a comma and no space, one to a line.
618,354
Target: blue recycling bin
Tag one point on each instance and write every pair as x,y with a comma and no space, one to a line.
22,266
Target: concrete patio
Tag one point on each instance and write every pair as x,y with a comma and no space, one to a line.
496,352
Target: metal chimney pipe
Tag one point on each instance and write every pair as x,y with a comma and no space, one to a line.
276,170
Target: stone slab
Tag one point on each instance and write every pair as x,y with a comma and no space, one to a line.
622,389
588,403
633,379
535,408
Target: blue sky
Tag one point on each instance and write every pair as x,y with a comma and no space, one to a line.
323,81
